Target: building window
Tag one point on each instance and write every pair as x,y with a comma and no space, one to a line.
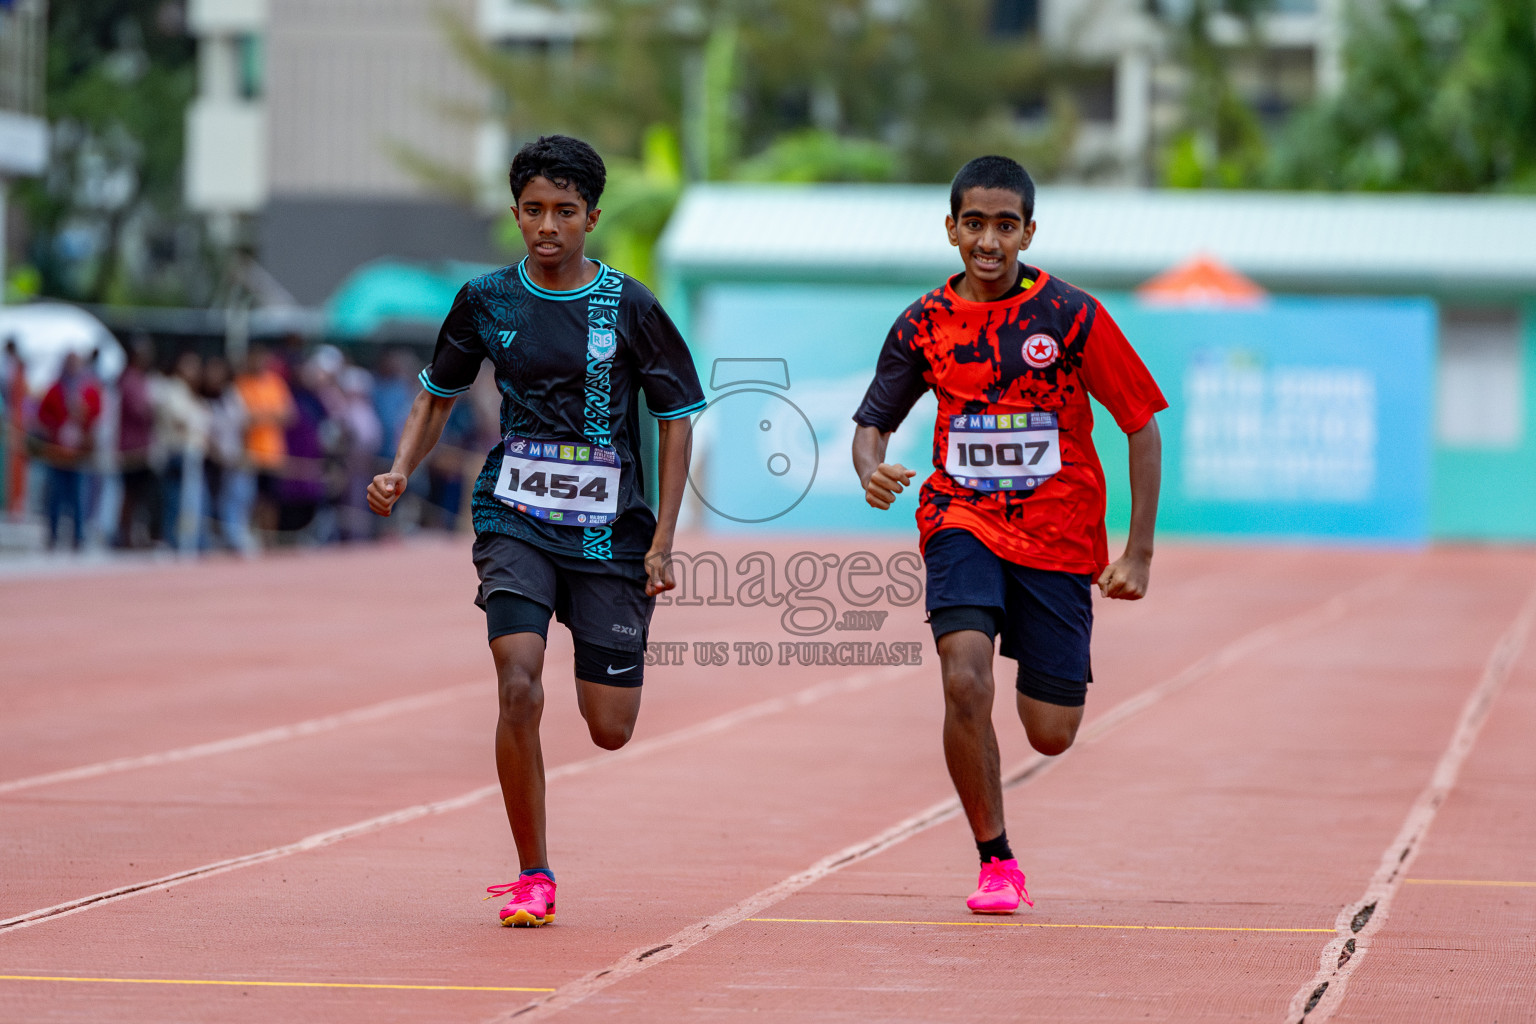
1093,93
1015,17
1481,400
249,66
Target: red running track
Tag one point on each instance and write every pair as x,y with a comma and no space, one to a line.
264,792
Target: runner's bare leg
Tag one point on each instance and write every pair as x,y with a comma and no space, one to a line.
970,742
610,711
1051,728
519,757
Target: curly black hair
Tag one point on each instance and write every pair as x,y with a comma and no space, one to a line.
566,162
993,172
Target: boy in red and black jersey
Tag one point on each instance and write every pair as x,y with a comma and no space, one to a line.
1012,518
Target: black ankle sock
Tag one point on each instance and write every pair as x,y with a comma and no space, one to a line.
989,848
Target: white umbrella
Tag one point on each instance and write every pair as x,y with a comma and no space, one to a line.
47,331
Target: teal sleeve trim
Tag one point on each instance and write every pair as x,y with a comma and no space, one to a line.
426,382
677,414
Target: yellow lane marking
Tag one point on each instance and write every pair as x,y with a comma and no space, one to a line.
1467,881
1042,924
272,984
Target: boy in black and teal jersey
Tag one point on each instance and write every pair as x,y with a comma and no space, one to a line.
561,523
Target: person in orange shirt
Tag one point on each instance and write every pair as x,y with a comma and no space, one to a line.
269,406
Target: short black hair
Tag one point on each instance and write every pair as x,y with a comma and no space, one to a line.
993,172
566,162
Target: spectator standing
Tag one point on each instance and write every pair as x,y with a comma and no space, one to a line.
269,408
135,442
181,429
393,394
302,490
231,485
66,418
362,435
447,465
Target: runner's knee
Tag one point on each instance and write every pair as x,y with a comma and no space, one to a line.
1052,740
521,692
610,735
968,690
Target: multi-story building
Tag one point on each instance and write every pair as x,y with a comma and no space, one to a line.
23,132
309,116
1132,85
330,132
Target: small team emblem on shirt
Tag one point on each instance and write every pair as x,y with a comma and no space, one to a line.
1040,350
601,343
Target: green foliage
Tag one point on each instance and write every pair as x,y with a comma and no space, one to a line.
813,154
772,90
1437,97
120,76
1221,142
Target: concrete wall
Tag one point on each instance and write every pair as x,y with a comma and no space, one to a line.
347,78
1488,491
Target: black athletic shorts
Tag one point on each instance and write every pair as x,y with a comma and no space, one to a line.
1045,617
603,604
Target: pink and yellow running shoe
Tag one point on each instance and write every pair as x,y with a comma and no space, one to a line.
532,901
999,889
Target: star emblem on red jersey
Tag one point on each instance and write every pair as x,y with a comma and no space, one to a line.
1040,350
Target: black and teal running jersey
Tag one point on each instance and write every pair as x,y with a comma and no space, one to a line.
569,366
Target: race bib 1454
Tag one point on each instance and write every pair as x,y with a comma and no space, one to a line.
566,483
1003,451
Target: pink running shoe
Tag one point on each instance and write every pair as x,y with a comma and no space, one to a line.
532,903
999,889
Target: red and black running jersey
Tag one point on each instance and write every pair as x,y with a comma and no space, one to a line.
1027,361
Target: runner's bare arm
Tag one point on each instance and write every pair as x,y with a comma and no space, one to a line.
1127,578
674,452
422,429
882,480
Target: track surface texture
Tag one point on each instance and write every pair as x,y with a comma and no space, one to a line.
264,791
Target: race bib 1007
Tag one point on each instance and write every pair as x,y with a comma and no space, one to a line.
568,484
1003,451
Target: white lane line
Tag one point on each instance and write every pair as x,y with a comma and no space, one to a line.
638,960
641,748
1358,922
277,734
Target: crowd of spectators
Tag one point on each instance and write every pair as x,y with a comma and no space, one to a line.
192,455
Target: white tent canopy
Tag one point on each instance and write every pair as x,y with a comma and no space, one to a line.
45,332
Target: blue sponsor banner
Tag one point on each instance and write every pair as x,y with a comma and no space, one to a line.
1300,417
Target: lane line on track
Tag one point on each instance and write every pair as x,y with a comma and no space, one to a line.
277,734
1039,924
1466,881
272,984
638,960
1358,922
641,748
